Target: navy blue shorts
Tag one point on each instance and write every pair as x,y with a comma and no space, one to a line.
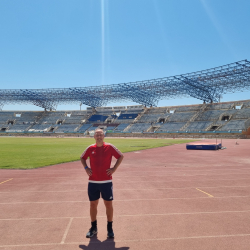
105,189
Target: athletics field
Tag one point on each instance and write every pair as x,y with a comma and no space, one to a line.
164,198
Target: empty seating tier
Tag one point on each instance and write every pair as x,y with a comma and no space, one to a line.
181,117
198,126
121,127
234,125
66,128
5,116
152,118
18,128
216,106
171,126
139,127
242,114
188,108
210,115
40,128
97,118
84,127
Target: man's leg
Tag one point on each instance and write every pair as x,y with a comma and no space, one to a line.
93,210
94,195
93,214
109,210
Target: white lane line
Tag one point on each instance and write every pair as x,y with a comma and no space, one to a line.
211,177
84,190
46,218
138,181
127,215
134,240
185,168
160,199
66,231
165,239
200,172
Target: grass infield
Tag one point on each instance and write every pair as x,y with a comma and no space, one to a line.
28,153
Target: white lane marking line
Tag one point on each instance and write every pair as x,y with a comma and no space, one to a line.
66,231
160,199
136,240
48,218
141,176
177,238
84,190
127,215
73,183
175,169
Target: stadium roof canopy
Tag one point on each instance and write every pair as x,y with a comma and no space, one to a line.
207,85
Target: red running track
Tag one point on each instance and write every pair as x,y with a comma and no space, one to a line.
165,198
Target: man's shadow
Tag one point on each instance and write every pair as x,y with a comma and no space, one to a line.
95,244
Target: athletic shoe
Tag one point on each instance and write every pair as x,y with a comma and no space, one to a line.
92,232
110,234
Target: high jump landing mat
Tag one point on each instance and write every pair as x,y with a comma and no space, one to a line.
204,146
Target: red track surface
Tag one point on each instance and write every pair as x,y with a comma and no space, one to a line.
165,198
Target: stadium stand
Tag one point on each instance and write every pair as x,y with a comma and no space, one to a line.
52,117
97,118
198,126
125,118
158,110
121,127
66,128
5,116
181,117
234,125
138,128
40,128
171,126
110,127
76,117
153,118
210,115
84,127
202,118
188,108
220,106
18,128
246,105
242,114
26,117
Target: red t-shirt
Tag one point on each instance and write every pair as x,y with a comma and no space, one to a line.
100,160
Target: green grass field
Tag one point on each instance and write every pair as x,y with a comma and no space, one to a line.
28,153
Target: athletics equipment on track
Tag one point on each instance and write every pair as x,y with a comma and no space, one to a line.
204,145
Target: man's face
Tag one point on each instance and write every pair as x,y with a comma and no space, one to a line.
99,136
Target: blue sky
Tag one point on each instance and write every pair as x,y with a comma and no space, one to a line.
77,43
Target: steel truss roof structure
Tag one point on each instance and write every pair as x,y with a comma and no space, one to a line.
207,85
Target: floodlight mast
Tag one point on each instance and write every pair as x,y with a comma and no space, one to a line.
206,85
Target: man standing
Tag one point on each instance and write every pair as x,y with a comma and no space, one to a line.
100,178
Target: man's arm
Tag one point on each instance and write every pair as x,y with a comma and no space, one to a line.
110,171
87,169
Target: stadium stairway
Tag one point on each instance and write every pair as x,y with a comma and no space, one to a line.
202,110
140,115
